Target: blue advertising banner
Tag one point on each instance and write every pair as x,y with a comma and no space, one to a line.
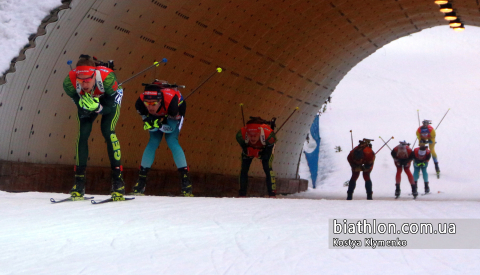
312,158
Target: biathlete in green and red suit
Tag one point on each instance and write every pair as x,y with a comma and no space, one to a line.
257,140
94,89
162,109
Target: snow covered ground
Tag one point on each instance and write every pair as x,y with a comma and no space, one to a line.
164,235
430,71
19,19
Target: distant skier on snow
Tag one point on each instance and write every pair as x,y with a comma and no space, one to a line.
421,157
426,134
361,159
402,157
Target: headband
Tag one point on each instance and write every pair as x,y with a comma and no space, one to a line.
85,70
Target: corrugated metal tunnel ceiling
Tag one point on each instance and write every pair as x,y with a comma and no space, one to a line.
276,55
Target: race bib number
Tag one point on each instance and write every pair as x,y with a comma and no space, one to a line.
166,128
118,96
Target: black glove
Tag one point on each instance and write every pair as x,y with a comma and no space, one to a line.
152,122
149,119
420,164
84,113
244,150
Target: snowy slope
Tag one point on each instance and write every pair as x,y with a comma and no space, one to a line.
430,71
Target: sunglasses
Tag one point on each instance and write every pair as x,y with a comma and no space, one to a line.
88,79
151,103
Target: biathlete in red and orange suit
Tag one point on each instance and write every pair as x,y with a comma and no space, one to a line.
257,140
361,159
402,157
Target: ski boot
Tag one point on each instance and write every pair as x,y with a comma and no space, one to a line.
427,188
368,188
414,190
186,183
437,169
349,196
369,196
118,185
351,188
78,190
397,190
141,183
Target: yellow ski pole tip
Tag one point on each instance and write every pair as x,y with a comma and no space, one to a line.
296,108
241,104
219,69
156,63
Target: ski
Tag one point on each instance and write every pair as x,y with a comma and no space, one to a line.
439,192
110,200
135,194
71,199
414,197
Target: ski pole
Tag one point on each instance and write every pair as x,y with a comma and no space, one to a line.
155,64
443,118
298,167
69,62
219,70
243,118
296,108
383,145
418,115
351,136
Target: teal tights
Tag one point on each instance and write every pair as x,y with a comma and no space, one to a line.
172,142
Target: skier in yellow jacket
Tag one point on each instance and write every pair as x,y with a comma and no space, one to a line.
426,134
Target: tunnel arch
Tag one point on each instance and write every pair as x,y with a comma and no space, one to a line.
276,55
